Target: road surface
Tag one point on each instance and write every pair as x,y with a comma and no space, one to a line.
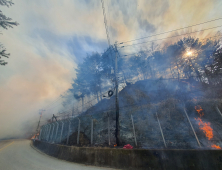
19,155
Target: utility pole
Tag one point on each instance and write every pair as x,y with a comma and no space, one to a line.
116,81
117,99
39,122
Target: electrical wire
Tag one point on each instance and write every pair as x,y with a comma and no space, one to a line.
59,98
163,48
171,31
88,101
140,105
171,37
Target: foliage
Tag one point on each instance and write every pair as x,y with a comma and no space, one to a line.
5,23
203,64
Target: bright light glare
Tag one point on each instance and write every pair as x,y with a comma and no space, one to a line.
189,53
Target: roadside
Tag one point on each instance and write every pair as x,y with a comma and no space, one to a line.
21,156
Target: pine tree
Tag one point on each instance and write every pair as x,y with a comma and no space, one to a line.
5,22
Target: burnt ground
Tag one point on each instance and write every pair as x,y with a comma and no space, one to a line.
145,100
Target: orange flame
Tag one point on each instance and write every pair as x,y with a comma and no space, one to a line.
34,136
199,110
115,145
208,131
206,128
215,146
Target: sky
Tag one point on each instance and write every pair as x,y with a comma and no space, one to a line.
53,36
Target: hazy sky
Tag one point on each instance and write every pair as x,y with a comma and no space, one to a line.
53,36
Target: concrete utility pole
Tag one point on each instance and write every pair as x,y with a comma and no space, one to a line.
117,99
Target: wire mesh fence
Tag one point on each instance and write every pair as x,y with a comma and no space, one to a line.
168,124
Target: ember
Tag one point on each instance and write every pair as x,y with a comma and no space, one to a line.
33,137
215,146
199,110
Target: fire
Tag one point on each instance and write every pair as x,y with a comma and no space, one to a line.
199,110
115,145
205,126
34,136
215,146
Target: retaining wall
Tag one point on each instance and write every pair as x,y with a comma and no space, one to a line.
136,159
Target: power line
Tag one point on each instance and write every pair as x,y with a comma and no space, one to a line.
139,105
77,103
105,22
171,30
86,103
59,98
171,37
163,48
95,97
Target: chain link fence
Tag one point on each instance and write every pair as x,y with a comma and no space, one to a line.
168,124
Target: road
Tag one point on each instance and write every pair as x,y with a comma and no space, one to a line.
19,155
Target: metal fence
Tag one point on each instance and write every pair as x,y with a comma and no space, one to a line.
164,125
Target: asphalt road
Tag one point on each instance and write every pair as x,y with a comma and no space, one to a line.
19,155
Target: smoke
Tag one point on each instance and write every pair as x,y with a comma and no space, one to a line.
41,65
34,82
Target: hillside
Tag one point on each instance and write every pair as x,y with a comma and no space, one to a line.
165,97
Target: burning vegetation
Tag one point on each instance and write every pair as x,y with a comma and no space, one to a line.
171,93
205,126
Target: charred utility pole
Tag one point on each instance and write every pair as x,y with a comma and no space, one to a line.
117,99
40,112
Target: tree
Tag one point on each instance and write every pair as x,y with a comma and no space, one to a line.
5,23
88,78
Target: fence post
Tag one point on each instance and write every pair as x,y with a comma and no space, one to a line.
49,132
108,129
61,132
91,130
78,132
57,127
43,131
46,131
218,110
53,127
40,134
192,127
134,130
68,132
161,130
